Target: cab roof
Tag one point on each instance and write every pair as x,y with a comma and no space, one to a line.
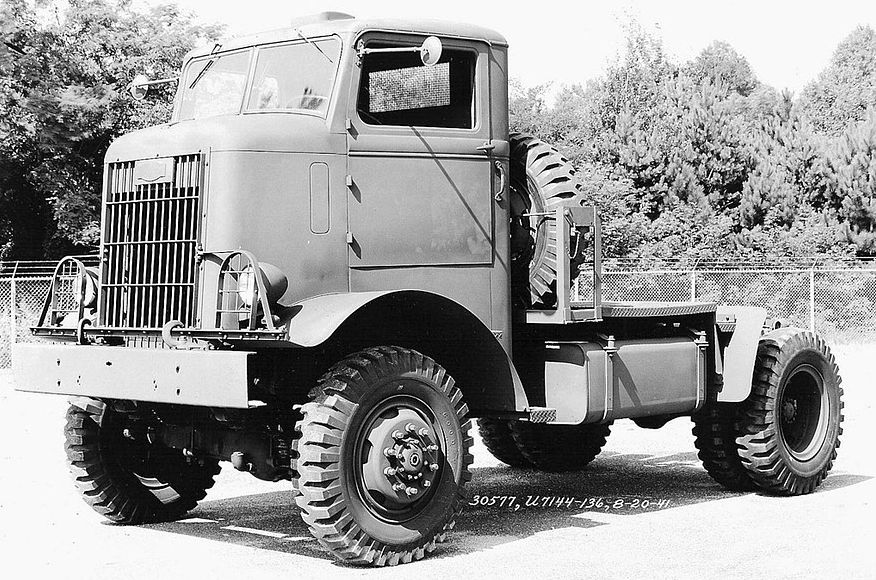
344,24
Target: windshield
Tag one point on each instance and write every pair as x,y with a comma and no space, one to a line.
214,86
295,77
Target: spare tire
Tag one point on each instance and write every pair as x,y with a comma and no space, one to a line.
541,179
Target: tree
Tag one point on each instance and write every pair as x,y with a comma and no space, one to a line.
721,64
846,89
692,152
527,108
791,169
63,100
627,95
853,161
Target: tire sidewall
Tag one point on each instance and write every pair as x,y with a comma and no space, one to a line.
830,389
430,521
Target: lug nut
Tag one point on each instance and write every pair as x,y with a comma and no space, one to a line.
427,483
397,435
126,433
433,467
389,472
398,486
411,491
423,432
390,452
432,448
411,428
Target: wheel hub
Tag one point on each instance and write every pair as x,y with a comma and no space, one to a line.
804,409
789,410
403,461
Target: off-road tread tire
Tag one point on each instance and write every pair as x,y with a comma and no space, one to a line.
115,492
497,438
559,448
555,183
759,441
715,430
318,454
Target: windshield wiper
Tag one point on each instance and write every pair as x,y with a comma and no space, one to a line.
314,45
201,73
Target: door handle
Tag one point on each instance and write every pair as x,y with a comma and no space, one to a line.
486,147
500,169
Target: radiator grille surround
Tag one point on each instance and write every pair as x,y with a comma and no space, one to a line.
149,266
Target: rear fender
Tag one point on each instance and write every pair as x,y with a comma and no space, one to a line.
429,323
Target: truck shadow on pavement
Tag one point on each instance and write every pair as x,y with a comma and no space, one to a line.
505,504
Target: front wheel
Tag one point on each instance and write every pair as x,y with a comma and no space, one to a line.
383,457
124,477
790,424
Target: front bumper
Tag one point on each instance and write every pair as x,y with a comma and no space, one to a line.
210,378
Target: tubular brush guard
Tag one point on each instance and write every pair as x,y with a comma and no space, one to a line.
232,311
61,298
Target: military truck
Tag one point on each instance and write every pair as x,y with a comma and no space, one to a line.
335,255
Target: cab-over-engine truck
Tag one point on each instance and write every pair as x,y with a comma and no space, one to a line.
335,255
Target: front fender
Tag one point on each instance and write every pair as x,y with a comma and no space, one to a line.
314,320
430,323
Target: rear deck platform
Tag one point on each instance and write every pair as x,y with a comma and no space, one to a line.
588,312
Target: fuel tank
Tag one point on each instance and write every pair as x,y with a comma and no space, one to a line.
591,382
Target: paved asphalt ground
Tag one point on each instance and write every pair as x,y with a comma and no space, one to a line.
644,509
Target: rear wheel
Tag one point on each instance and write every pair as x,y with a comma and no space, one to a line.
559,447
715,430
125,478
497,438
383,457
791,423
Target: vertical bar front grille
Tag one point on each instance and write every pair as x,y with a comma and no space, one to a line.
149,268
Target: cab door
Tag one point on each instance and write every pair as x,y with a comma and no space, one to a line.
420,168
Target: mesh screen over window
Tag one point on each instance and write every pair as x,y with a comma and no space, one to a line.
409,88
397,89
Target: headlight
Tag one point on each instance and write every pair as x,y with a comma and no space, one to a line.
246,288
85,288
273,280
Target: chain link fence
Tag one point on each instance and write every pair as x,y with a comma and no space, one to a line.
21,302
6,323
838,303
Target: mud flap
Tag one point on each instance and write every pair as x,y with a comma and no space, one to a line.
741,352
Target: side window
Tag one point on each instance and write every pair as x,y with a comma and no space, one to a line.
397,89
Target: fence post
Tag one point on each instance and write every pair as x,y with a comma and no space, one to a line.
13,303
812,299
693,285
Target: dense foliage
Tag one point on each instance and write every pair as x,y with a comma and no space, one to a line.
701,160
63,99
696,160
